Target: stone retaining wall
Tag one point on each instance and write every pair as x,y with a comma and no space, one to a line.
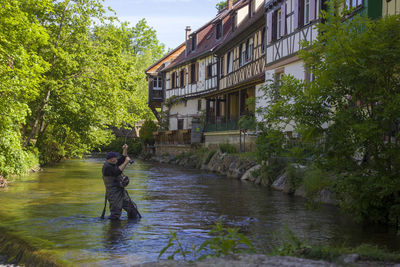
234,166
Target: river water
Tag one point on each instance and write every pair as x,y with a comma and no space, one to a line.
58,211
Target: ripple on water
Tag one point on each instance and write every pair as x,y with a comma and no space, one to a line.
59,211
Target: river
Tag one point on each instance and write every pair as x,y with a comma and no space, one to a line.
57,211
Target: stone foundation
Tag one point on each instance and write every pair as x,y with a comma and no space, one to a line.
213,139
173,150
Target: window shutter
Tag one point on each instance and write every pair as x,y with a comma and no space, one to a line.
283,18
190,74
312,10
197,72
296,14
269,27
274,17
301,13
184,77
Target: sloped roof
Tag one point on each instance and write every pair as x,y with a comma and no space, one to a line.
206,36
241,29
169,57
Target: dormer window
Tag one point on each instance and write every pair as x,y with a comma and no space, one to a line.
234,21
252,8
218,30
194,41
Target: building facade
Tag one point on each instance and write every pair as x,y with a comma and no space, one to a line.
241,63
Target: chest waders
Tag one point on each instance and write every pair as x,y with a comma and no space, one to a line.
119,199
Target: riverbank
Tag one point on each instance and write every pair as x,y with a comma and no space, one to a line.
285,178
240,260
15,251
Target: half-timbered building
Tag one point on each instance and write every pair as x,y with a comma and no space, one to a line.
390,7
241,63
156,85
187,78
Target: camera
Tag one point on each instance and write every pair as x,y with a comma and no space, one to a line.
131,161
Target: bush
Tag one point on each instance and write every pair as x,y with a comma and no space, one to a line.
146,132
228,148
209,156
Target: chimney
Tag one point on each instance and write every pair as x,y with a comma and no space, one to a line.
188,30
230,4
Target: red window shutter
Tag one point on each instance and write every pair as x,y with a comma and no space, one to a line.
312,10
283,18
269,27
296,14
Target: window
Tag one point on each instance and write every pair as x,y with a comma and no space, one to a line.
243,53
193,73
209,71
306,11
180,124
234,21
182,78
353,3
277,81
157,83
263,40
230,63
199,105
222,62
218,30
251,8
278,23
194,41
250,49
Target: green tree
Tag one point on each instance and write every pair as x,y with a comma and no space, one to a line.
350,112
146,132
21,69
65,80
222,4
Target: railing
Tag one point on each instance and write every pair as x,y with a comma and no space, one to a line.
221,124
156,95
175,137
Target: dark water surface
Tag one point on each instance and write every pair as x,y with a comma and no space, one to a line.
58,211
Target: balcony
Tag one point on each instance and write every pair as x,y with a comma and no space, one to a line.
221,123
175,137
156,95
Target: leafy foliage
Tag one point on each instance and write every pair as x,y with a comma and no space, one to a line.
223,4
227,148
226,241
146,132
349,113
65,80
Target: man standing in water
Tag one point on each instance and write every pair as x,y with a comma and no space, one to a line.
116,194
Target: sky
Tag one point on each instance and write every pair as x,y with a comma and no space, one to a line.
168,17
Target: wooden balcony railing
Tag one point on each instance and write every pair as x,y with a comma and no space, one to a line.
175,137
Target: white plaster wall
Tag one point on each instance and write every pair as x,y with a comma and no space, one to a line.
295,69
259,4
242,13
180,111
201,85
261,101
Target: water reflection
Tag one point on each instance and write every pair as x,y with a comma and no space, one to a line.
58,210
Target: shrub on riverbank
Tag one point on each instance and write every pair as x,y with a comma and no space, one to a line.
346,120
